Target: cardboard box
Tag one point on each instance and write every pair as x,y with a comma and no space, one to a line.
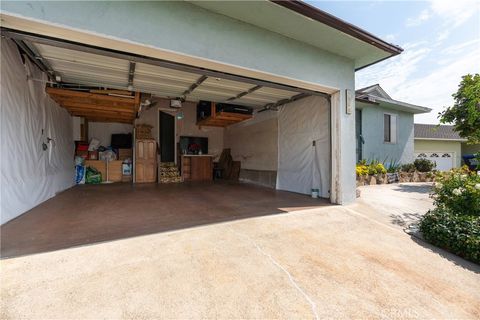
143,131
124,154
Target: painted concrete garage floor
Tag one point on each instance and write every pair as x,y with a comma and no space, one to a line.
326,262
95,213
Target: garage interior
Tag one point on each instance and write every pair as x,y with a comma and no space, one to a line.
192,146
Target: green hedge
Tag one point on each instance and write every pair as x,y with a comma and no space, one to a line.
459,234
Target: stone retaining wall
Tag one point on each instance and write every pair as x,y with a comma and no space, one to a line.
394,178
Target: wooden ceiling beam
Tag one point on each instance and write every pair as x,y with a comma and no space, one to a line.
100,119
86,107
222,115
57,92
79,112
93,102
113,91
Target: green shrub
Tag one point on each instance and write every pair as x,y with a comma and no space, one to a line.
407,167
424,165
458,191
393,167
379,168
459,234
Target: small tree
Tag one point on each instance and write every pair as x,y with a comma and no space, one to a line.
465,112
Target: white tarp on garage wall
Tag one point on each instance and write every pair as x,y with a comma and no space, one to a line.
304,146
30,175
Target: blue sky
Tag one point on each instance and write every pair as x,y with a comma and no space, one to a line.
441,42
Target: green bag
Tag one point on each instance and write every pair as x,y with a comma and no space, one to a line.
93,176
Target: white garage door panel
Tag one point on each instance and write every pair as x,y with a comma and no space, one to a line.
443,160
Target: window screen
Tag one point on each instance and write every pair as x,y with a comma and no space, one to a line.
387,128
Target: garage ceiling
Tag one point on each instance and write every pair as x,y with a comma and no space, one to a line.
89,69
74,65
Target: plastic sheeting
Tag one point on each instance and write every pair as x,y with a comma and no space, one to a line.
304,154
28,117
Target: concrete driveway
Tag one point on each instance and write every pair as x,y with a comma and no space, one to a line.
328,262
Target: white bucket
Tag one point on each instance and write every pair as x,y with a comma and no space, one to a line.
314,193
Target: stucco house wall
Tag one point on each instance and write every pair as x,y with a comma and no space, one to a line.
441,146
374,148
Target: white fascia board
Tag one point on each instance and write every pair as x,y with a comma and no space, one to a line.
403,106
440,139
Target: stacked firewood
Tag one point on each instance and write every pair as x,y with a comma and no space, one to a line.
168,173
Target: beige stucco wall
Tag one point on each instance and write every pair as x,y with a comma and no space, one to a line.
184,127
103,131
254,142
440,146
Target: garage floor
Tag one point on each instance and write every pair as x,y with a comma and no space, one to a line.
329,262
95,213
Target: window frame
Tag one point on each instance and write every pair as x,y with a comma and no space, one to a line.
393,128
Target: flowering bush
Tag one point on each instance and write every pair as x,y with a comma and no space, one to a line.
458,191
361,170
455,222
375,167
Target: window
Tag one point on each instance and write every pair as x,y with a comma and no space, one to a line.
389,128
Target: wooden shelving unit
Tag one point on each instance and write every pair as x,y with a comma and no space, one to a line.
222,118
98,105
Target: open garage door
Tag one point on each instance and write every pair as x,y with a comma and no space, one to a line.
304,146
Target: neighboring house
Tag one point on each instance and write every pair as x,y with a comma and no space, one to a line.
440,143
384,126
287,58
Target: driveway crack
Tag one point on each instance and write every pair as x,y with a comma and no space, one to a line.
279,266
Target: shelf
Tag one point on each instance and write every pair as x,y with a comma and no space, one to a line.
223,119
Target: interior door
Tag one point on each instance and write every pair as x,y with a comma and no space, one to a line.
167,137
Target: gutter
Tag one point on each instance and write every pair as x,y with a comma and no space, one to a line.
404,104
314,13
441,139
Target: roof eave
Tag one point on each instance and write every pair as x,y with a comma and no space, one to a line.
440,139
314,13
411,107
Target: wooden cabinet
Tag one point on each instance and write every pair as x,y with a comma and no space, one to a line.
114,169
197,167
145,160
